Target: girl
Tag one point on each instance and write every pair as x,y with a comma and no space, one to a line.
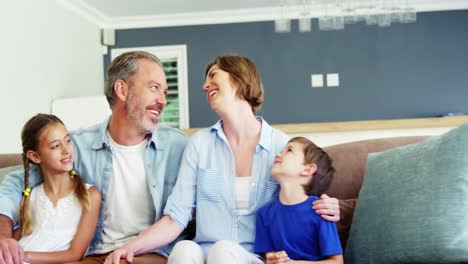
58,217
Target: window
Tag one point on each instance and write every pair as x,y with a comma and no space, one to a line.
174,60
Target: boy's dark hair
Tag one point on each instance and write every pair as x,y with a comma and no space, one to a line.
325,170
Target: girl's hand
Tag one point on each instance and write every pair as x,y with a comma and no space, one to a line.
277,257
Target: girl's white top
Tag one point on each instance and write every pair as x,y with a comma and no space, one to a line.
54,227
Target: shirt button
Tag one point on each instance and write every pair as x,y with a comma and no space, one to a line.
154,186
253,184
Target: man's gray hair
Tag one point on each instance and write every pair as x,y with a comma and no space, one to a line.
122,68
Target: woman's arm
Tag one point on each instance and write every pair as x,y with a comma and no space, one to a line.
161,233
80,242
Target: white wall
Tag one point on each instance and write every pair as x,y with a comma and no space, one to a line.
47,52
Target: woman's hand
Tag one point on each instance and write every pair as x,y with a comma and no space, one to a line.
124,252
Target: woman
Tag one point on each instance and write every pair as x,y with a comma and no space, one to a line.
224,175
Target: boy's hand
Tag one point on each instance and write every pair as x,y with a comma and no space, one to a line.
328,208
277,257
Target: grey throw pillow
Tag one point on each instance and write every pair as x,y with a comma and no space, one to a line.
413,205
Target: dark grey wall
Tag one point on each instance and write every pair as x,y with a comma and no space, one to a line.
403,71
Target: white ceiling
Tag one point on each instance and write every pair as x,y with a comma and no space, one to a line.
119,14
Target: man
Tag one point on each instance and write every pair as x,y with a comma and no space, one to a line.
133,162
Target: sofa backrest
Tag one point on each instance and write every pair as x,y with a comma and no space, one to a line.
7,160
350,160
9,163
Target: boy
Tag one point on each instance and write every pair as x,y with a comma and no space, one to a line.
287,231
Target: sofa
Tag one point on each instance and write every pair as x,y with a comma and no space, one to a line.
7,160
350,164
349,160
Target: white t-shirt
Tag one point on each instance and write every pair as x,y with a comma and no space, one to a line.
242,194
130,208
54,226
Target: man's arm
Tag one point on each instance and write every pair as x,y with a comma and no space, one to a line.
6,227
10,196
10,251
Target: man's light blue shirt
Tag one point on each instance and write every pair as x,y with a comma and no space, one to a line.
93,161
206,182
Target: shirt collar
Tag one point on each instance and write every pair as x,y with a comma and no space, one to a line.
155,140
103,139
265,133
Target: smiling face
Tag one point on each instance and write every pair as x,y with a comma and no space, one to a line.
243,76
219,88
146,95
55,150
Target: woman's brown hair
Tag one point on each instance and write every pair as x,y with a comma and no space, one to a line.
244,74
30,135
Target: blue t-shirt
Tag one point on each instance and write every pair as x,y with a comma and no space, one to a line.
296,229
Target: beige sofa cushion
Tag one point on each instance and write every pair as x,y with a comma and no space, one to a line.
7,160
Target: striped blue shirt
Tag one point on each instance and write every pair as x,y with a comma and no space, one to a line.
206,183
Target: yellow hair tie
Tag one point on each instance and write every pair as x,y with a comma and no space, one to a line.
73,173
27,191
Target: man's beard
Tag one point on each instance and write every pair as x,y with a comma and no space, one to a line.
137,112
